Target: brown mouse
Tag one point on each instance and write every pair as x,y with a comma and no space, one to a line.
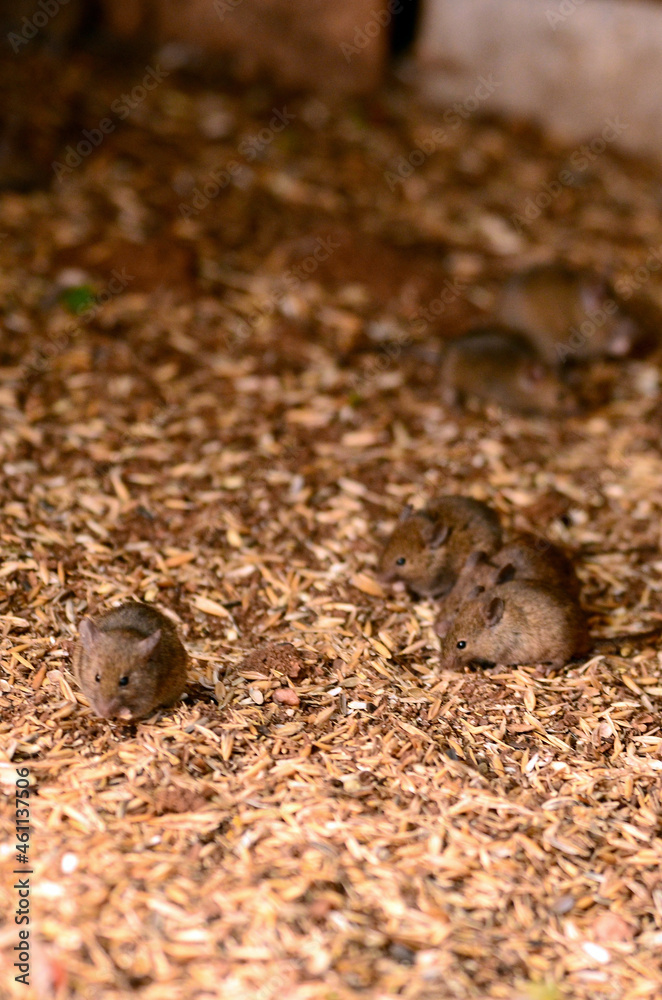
525,557
129,661
429,547
516,622
498,364
531,557
568,314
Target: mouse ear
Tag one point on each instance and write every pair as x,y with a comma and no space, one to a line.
88,632
147,646
439,536
494,611
440,626
407,511
506,573
476,558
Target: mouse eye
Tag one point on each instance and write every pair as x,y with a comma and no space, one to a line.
401,561
97,678
461,644
123,681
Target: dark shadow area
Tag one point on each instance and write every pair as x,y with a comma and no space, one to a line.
405,26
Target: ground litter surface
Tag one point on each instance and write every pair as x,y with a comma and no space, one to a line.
216,394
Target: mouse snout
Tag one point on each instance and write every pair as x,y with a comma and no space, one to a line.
390,576
447,660
109,708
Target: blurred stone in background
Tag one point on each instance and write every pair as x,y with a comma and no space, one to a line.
584,69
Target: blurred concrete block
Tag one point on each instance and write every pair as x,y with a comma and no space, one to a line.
339,45
579,67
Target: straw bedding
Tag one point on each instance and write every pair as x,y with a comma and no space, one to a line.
326,814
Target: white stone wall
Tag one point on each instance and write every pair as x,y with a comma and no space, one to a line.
575,66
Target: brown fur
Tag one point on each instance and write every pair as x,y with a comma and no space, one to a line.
133,641
497,364
550,299
524,557
516,622
436,542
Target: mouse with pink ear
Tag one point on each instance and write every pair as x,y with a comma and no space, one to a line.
525,557
129,661
515,622
428,548
498,364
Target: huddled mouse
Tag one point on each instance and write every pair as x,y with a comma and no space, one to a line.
547,319
129,661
